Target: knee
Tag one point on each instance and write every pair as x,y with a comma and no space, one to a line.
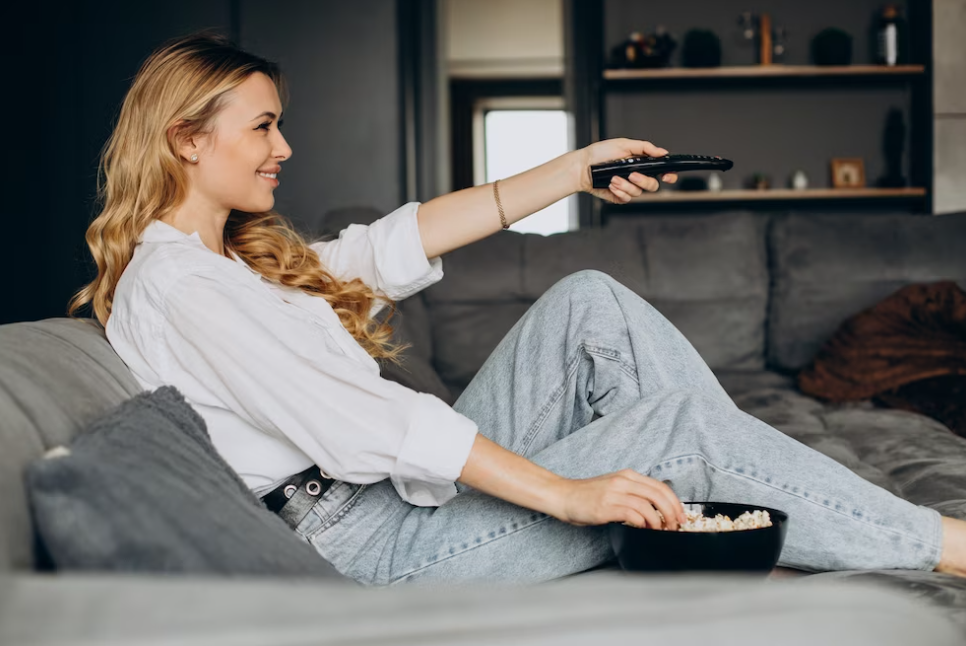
700,416
586,284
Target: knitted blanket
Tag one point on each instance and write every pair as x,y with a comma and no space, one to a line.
908,351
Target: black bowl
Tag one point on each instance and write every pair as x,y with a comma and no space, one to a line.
659,550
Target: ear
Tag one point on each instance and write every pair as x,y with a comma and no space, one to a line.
184,146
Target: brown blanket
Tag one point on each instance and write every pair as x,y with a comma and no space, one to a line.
918,334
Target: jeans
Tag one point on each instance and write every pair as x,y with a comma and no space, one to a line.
592,380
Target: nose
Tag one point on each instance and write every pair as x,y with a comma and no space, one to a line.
282,150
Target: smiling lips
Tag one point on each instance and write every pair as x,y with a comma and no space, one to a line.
271,177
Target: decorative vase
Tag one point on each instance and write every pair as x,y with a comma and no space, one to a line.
832,47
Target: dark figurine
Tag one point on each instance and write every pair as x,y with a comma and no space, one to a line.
640,51
893,144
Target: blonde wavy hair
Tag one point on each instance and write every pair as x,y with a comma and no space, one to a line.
140,179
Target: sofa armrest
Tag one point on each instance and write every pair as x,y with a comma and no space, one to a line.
599,608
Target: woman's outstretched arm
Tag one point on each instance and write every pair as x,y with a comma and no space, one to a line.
454,220
625,496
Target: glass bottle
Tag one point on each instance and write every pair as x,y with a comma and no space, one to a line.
889,36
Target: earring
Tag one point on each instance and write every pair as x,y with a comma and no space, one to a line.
194,158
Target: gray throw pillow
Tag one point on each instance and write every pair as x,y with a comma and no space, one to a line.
144,490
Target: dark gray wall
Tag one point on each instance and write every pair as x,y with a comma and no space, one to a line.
776,129
74,61
342,121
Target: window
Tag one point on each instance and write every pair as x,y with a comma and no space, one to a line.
514,134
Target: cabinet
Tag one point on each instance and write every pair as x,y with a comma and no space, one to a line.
772,119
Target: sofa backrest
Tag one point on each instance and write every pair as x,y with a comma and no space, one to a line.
826,268
56,376
707,274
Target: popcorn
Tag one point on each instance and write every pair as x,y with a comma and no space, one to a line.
698,522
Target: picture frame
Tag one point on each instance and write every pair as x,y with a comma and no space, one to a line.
848,173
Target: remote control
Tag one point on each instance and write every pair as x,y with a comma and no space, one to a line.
601,174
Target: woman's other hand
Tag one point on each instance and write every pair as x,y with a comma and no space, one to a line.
620,191
622,497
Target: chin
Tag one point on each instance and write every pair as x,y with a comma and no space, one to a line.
260,206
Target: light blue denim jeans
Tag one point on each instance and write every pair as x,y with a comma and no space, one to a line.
591,380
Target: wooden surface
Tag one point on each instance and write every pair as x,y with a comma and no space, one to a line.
758,71
665,195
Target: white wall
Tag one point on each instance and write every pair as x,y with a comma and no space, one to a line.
503,38
949,96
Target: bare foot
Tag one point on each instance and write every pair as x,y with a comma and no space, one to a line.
953,560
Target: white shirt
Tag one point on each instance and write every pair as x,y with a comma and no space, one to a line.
279,381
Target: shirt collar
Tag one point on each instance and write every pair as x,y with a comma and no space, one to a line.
158,231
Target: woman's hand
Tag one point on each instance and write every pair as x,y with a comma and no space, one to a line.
621,190
622,497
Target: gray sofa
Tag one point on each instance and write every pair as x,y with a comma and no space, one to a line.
756,294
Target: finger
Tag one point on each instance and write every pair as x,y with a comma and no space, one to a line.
643,181
640,508
619,193
632,518
669,493
656,497
646,148
631,188
649,495
670,506
670,178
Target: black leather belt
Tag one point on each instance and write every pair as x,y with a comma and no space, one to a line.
295,497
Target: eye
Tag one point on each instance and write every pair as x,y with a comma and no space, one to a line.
266,125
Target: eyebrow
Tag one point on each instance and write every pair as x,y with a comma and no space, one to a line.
267,114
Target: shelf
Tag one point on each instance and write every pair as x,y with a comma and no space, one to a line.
665,196
761,71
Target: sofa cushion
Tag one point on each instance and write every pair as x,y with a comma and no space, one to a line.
466,335
829,267
706,274
56,376
709,276
411,326
909,454
144,490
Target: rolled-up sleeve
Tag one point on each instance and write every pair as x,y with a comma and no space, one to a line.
387,255
282,375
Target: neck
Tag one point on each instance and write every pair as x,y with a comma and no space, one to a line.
207,219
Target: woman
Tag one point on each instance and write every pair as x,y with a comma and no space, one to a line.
592,409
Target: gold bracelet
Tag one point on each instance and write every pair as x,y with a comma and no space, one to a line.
499,206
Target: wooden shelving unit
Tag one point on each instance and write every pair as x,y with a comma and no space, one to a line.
780,194
761,71
621,102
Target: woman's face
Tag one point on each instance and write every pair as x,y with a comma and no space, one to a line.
245,141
